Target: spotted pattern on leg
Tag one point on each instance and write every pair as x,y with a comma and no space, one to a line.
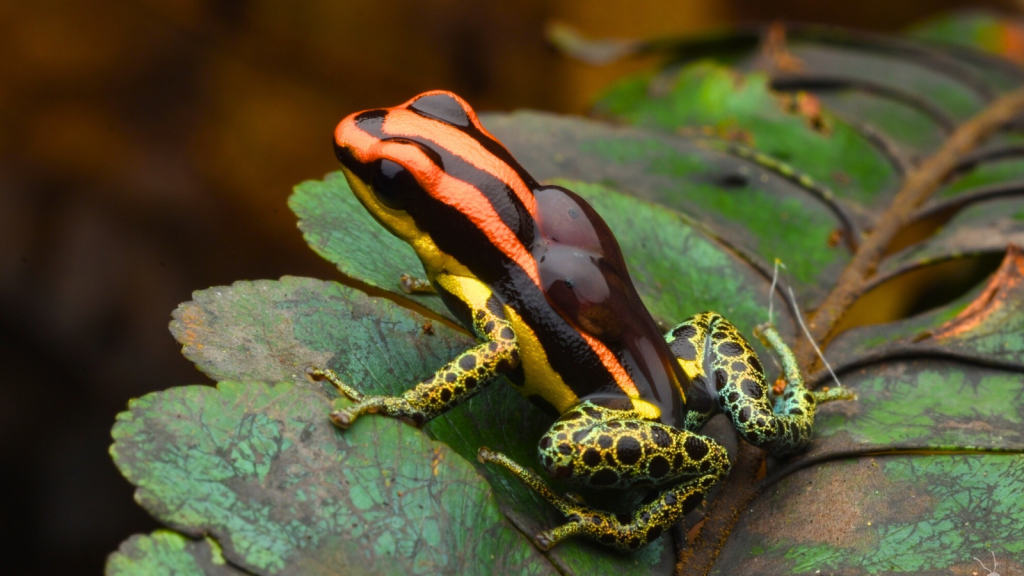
610,448
629,532
603,447
796,408
714,353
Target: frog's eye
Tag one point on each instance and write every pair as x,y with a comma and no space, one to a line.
393,185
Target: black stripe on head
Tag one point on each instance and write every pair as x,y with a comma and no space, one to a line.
371,121
441,107
445,108
502,198
497,149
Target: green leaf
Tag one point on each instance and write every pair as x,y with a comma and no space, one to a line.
381,348
886,515
166,552
258,466
804,168
338,228
743,107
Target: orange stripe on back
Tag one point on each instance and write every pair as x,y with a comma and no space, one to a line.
466,198
401,122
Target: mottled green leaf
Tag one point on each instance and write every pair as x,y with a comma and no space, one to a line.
259,467
886,515
337,227
919,405
380,348
255,466
168,553
744,107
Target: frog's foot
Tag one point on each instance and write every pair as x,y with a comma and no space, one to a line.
770,337
831,394
389,405
331,376
564,505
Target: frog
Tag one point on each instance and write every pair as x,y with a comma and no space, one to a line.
537,276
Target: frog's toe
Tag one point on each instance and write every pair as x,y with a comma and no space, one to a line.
543,540
484,455
343,418
317,374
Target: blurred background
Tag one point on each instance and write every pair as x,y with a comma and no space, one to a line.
147,149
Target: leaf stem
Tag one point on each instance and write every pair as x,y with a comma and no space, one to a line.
740,488
920,183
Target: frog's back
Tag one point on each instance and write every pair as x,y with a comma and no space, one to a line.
544,253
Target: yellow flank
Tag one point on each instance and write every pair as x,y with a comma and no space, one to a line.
646,410
469,290
541,379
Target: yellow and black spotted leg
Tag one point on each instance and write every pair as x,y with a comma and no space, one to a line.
715,355
604,447
453,384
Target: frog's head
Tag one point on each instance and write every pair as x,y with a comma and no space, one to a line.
430,173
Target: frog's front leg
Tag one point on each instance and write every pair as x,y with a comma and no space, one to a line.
714,354
458,380
610,448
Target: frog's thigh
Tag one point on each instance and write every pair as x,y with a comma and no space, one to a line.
602,447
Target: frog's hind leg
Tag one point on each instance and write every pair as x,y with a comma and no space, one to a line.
605,447
718,352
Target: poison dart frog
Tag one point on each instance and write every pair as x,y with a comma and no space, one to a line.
537,276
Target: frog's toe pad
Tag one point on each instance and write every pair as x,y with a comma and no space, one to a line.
342,419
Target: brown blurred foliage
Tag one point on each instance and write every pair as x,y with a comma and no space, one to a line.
147,149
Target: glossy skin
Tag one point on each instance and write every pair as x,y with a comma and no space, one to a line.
535,273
